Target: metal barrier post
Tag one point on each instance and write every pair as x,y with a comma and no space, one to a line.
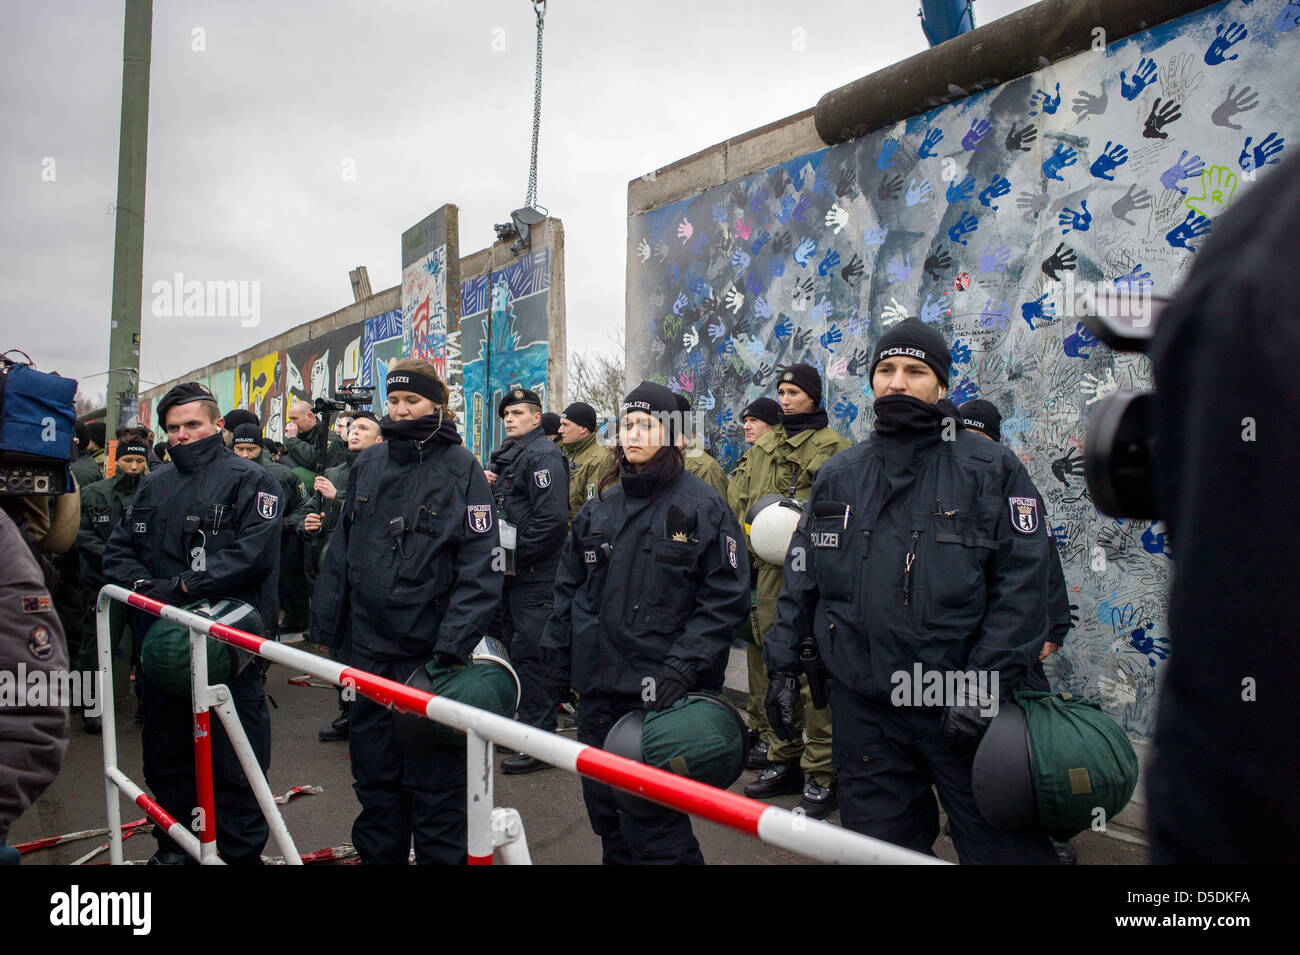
108,721
478,799
207,808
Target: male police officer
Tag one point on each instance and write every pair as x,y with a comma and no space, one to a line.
588,458
915,553
759,417
785,461
531,488
102,505
302,457
333,489
205,525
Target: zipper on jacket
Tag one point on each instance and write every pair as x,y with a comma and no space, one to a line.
907,570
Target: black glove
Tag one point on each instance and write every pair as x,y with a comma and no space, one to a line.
445,661
558,690
782,692
669,687
963,727
168,590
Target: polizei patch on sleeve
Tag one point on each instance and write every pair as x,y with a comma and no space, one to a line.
268,505
1024,514
731,550
480,517
542,477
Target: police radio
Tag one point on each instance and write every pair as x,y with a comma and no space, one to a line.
36,429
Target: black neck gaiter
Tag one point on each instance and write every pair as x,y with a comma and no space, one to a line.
807,421
902,416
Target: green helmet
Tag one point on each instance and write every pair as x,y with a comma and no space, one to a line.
701,736
489,683
165,649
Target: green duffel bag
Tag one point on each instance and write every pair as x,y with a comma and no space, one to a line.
165,649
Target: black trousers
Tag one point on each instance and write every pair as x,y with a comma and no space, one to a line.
657,838
296,587
888,758
526,604
401,798
167,736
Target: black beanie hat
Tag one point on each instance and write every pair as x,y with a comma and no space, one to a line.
764,409
97,431
82,434
233,419
160,450
581,414
983,416
517,396
912,338
656,401
550,423
248,434
806,379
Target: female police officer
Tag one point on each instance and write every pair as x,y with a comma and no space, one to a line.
653,580
409,570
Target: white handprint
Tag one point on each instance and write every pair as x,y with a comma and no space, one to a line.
691,338
643,250
893,313
837,219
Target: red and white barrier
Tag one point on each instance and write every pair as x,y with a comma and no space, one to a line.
490,829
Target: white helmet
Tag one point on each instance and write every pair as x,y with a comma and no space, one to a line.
770,523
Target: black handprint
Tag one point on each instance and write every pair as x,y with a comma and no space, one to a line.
1062,259
711,308
1018,139
761,375
780,179
845,185
889,188
802,289
1159,118
1068,465
801,338
938,261
853,269
859,361
781,243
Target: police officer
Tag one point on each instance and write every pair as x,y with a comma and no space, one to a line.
785,461
588,458
102,505
922,549
333,489
653,582
532,494
551,426
301,455
205,525
759,417
409,571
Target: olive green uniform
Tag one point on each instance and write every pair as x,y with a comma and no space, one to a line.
588,459
755,705
704,466
786,464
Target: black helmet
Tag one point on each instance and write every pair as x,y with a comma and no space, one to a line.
701,736
1002,776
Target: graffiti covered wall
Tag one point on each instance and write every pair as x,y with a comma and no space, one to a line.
985,218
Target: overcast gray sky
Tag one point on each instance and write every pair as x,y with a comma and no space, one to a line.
432,101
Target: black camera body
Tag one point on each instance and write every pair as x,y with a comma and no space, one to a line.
351,398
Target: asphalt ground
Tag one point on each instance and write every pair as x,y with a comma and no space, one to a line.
550,801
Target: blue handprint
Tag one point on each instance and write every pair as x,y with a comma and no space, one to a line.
1039,308
695,360
887,150
754,283
720,211
1223,39
960,352
1289,17
783,328
1062,157
804,253
1194,226
1044,101
761,195
979,128
760,240
1143,76
1134,280
999,187
960,191
932,139
725,417
776,266
898,270
828,262
995,260
995,316
787,207
725,348
739,261
1080,339
1183,169
1156,648
964,392
797,176
830,337
934,312
875,236
1075,221
679,303
701,288
846,410
1059,537
822,309
1113,156
1265,153
822,179
1154,543
963,226
805,203
762,308
918,193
